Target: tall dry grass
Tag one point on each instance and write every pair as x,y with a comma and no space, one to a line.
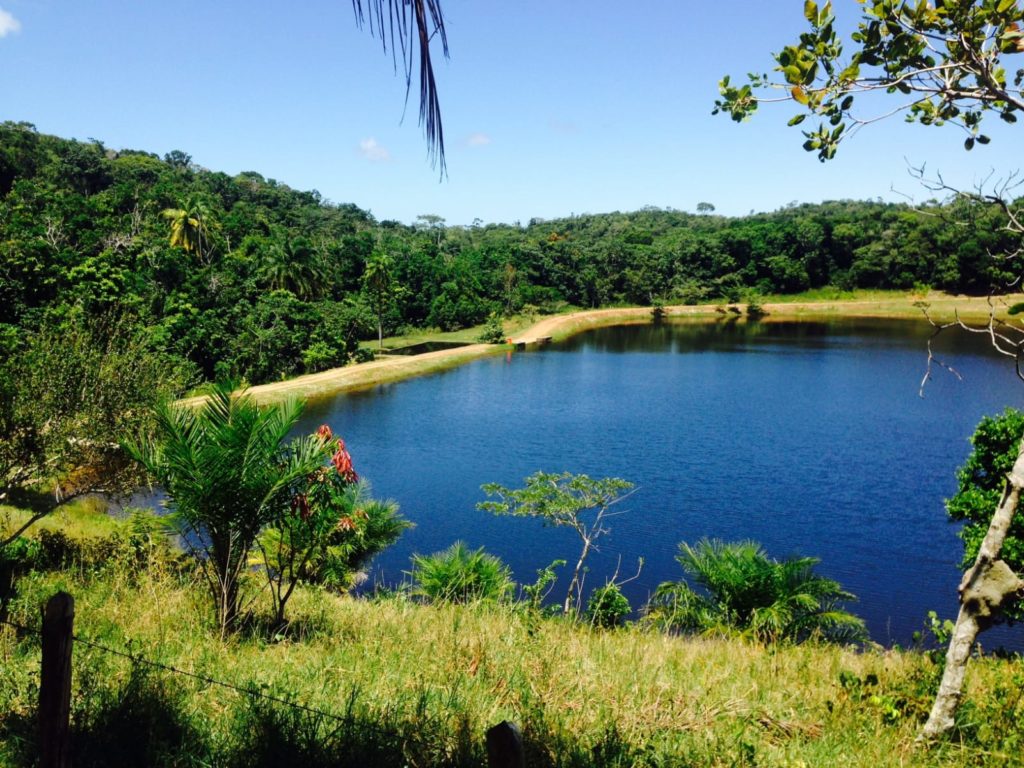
408,684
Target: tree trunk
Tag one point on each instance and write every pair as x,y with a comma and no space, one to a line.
225,582
984,589
574,585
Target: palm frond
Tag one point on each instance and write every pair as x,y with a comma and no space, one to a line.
411,26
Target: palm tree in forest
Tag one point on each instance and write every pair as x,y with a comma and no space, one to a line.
379,283
227,472
292,264
190,224
745,590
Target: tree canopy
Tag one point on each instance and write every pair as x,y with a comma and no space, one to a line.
279,291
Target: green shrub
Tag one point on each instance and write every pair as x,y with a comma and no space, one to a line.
319,356
537,592
494,332
21,554
363,355
461,575
746,591
60,549
135,543
755,310
607,607
328,536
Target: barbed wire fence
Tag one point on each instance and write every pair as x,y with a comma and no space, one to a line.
57,637
136,658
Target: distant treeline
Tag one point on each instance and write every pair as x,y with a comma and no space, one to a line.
244,277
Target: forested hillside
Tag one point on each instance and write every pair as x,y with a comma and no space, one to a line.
246,278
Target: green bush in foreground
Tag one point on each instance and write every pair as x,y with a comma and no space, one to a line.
461,575
228,473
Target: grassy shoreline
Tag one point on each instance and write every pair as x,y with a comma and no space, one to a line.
525,331
420,685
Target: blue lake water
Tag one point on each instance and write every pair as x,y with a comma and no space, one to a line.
808,437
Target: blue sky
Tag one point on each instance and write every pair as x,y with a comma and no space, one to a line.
551,107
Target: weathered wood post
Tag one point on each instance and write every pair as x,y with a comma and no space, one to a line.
505,746
55,682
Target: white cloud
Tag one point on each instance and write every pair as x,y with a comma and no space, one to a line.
478,140
371,150
8,23
563,127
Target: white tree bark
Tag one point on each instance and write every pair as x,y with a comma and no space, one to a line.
984,589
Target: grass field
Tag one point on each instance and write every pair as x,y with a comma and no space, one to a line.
392,682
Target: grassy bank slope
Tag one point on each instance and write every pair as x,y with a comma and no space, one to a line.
406,684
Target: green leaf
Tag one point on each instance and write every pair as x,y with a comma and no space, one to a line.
969,143
1004,6
1016,309
983,139
793,74
796,120
811,11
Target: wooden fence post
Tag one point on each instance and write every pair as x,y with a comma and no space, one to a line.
505,746
55,682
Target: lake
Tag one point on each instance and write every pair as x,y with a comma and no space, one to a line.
808,437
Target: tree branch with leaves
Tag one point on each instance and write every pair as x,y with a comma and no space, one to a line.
943,61
69,392
578,502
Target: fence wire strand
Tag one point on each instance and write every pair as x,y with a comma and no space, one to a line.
138,659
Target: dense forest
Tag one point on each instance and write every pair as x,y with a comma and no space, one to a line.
245,278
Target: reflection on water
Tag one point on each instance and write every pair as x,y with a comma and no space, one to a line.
807,437
733,335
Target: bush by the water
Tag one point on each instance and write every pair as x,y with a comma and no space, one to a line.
494,331
746,591
607,607
461,575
